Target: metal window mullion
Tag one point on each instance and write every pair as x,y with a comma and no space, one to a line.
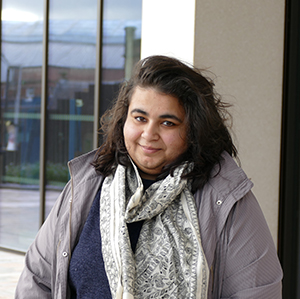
43,114
98,73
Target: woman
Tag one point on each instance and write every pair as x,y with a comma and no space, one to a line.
161,210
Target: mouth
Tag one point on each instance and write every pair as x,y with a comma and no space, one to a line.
149,149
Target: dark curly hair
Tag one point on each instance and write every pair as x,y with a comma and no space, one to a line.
206,117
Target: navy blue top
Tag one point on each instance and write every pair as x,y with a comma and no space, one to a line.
87,276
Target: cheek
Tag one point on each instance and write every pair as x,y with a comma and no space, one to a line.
130,134
182,138
177,143
126,134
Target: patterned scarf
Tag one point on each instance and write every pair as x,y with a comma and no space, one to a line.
169,261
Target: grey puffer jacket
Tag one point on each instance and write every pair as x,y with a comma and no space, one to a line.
235,237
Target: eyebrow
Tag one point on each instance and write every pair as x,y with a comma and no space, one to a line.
170,116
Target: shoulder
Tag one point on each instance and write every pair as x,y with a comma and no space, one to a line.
81,168
229,178
235,236
83,161
227,185
83,178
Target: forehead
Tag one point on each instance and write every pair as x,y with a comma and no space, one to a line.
154,100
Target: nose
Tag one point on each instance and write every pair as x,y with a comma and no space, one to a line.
150,132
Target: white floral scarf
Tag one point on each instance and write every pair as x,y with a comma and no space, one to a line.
169,261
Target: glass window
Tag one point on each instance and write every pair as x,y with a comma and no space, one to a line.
121,45
71,83
21,60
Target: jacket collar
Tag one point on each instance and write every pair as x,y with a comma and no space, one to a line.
216,200
81,169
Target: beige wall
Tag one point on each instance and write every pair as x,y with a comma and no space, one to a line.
241,42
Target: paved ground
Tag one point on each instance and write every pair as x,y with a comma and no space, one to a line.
19,223
19,216
11,265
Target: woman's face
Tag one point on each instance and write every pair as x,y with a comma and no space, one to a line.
154,130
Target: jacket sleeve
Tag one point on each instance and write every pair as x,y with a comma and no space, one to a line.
251,268
36,280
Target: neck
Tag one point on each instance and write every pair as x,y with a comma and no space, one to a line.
147,176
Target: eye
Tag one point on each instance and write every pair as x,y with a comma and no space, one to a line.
140,118
168,123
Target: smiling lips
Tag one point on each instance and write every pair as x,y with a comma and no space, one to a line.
149,149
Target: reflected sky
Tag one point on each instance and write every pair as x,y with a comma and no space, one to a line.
113,9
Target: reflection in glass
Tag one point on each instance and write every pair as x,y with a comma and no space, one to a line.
121,45
71,82
21,60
